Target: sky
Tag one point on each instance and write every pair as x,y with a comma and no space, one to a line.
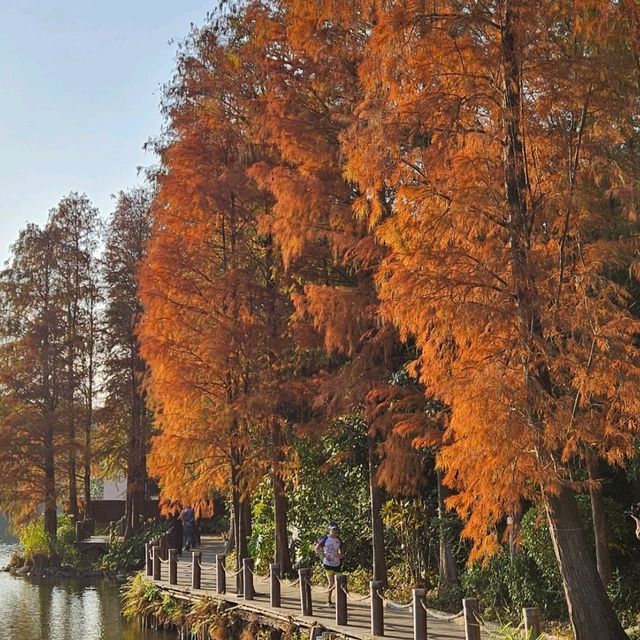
80,88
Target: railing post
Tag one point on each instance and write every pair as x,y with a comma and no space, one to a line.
419,614
221,574
156,562
377,610
275,599
173,566
532,627
239,578
247,578
471,623
306,605
164,547
79,531
341,599
196,569
148,558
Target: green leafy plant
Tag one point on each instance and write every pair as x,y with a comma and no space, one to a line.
406,519
128,555
37,546
331,483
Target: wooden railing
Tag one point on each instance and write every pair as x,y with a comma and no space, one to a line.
157,553
85,529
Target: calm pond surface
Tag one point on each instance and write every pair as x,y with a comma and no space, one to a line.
67,609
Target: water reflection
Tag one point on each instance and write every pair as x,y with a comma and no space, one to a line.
67,610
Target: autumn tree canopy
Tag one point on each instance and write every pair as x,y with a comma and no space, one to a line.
463,172
422,216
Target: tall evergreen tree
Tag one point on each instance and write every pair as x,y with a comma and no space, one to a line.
125,412
75,225
32,361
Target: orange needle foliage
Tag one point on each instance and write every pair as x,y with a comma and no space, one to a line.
432,126
457,173
211,326
502,130
310,89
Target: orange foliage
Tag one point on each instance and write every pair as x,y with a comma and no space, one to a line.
521,315
423,183
205,287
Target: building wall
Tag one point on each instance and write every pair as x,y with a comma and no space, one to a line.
104,511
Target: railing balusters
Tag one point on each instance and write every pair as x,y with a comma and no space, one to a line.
471,618
341,599
173,566
532,627
306,605
148,562
196,569
275,593
221,575
156,562
377,610
419,614
247,578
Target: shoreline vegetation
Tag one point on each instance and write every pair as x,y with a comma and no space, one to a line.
202,619
40,557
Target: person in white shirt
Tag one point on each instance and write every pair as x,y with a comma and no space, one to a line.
329,547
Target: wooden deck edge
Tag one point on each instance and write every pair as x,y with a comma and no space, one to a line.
268,615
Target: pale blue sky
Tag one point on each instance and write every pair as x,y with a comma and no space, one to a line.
79,96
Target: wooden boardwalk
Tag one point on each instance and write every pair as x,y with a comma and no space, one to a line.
398,623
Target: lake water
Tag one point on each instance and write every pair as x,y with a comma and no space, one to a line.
63,610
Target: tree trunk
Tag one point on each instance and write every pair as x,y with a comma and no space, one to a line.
235,507
590,611
50,516
243,528
136,461
91,346
603,559
281,554
447,569
71,471
241,512
231,539
86,476
72,444
377,526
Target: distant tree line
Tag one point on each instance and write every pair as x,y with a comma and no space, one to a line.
70,373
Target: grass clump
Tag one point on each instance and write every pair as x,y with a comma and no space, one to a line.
40,550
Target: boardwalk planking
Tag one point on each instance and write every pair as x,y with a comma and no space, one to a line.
398,624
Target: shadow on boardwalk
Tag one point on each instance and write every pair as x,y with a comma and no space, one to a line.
398,623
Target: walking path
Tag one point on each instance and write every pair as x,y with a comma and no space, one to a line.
398,622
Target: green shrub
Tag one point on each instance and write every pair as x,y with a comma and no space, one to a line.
36,543
358,581
623,592
332,484
506,585
406,519
128,555
262,541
